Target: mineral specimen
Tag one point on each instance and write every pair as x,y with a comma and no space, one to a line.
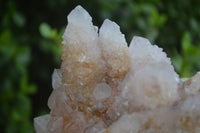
104,86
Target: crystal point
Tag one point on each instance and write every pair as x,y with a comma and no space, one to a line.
79,13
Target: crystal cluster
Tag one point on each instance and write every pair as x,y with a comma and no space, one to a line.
104,86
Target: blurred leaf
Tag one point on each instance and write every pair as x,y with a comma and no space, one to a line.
192,50
186,42
157,19
8,44
25,87
60,34
45,30
54,34
19,19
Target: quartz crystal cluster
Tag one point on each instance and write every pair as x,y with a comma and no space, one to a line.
104,86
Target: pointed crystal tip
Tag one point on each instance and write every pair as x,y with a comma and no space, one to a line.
79,15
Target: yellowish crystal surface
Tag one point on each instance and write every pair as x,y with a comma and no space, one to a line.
104,86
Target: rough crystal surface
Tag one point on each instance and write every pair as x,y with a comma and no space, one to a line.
40,123
192,85
102,91
114,51
151,86
180,118
104,86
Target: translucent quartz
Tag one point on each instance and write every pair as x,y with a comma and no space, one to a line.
57,78
102,91
40,123
104,86
114,51
181,118
82,64
151,86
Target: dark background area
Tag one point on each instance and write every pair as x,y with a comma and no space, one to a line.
30,45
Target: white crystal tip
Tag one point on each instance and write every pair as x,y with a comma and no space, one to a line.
78,15
109,27
139,40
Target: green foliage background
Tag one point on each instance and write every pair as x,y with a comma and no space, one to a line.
30,45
